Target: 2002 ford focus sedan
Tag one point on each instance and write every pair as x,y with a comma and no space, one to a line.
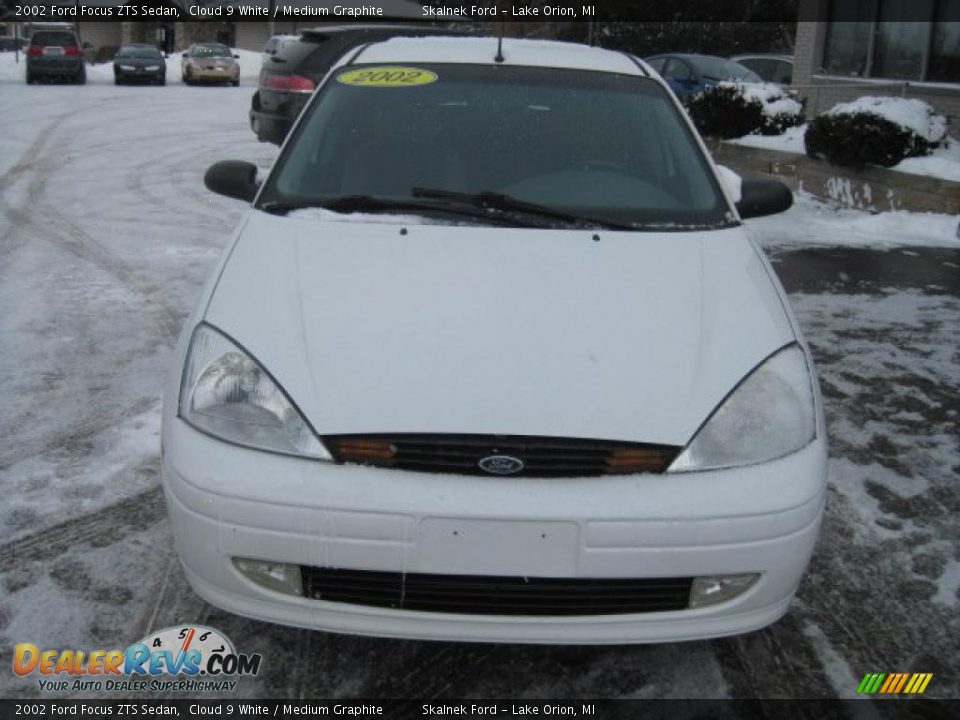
492,357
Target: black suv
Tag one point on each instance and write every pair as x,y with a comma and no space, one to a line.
290,75
55,54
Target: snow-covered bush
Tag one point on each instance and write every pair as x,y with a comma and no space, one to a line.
731,109
875,131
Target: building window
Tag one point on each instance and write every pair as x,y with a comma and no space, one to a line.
848,38
945,45
885,39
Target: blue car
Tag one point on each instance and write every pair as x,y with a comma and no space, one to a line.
689,74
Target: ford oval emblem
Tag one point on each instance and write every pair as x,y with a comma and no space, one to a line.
501,465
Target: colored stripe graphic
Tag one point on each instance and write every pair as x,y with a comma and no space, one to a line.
894,683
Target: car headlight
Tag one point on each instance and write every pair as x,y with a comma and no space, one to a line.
127,67
151,68
226,393
770,414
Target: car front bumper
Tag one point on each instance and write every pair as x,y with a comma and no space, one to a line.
228,502
139,74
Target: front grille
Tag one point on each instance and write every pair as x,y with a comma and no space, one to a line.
540,456
483,595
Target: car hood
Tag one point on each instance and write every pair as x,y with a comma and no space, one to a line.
382,327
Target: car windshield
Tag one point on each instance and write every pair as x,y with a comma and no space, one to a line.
589,144
139,53
211,51
715,68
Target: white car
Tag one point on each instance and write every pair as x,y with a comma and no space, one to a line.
492,357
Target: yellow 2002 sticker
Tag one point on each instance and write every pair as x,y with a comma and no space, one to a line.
387,77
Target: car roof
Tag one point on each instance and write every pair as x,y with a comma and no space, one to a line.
483,50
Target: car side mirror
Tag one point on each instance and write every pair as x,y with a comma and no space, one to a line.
185,55
759,198
233,178
236,57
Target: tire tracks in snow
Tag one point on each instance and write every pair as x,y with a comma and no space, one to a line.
99,528
41,218
81,432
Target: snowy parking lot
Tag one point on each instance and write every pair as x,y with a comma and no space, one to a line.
106,237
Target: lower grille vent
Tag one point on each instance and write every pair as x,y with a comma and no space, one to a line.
487,595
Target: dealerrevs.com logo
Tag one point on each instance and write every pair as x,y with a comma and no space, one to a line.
188,658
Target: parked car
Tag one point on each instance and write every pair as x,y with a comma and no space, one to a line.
55,55
139,63
689,74
210,62
290,74
501,379
770,67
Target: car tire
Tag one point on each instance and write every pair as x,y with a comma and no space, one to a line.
30,79
162,81
235,83
81,79
117,81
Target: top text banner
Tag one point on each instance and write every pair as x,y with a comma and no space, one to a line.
369,11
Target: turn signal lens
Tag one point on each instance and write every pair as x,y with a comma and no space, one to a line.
626,461
361,450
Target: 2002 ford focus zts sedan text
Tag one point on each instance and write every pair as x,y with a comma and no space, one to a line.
492,357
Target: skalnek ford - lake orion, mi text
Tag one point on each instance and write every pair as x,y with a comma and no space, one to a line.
475,11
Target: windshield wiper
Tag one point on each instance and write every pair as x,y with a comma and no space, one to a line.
371,204
497,201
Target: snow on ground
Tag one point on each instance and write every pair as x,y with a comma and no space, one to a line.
812,223
106,235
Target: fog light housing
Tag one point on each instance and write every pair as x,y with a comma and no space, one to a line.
715,589
279,577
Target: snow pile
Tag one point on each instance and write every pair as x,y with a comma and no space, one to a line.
943,162
911,114
775,100
790,141
324,215
731,181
